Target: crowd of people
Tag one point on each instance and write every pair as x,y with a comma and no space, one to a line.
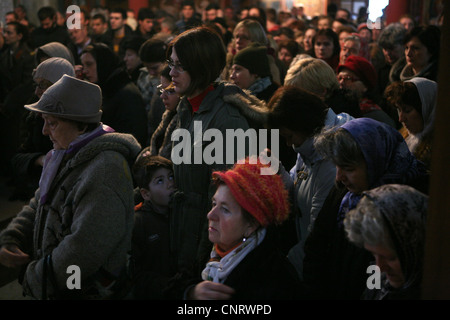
96,119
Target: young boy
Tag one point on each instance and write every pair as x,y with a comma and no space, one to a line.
150,252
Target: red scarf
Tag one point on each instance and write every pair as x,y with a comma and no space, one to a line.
197,100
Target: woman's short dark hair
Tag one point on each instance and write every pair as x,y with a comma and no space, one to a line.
403,93
297,110
329,33
202,53
429,36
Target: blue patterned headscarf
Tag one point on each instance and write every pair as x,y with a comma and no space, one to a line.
387,157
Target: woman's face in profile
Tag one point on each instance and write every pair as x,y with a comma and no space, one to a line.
180,77
354,178
227,226
89,67
388,262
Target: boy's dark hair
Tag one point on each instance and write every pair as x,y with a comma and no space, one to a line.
145,167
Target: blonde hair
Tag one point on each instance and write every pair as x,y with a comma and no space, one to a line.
313,75
255,31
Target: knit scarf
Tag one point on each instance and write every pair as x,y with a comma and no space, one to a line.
218,269
259,85
54,158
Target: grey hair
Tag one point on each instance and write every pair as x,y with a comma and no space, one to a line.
392,35
365,225
313,75
338,145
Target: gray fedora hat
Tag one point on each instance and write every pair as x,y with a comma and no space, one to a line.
71,98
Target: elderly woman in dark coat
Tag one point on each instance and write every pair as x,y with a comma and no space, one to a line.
82,212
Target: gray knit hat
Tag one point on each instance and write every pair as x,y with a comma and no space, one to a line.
71,98
53,69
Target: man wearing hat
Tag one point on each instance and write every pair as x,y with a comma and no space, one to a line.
359,76
72,239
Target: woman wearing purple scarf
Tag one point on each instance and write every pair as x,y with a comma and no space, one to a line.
367,154
76,231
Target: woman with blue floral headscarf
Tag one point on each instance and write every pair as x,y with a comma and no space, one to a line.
367,154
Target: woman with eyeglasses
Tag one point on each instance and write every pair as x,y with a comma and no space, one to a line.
196,58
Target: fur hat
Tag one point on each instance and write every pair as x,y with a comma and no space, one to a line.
263,196
53,69
254,58
362,68
71,98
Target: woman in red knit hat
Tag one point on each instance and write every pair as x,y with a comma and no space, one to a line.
244,262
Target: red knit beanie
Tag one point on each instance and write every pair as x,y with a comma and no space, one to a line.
362,68
263,196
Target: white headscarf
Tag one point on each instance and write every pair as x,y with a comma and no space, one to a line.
428,95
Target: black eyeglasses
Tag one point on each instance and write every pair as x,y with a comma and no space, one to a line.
178,67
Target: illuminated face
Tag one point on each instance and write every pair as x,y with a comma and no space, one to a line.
242,77
116,20
60,132
89,67
146,25
388,262
132,60
180,77
408,23
160,189
354,178
393,54
323,24
410,118
98,27
41,86
307,40
227,226
11,36
323,47
417,55
188,12
169,97
350,48
242,39
285,56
